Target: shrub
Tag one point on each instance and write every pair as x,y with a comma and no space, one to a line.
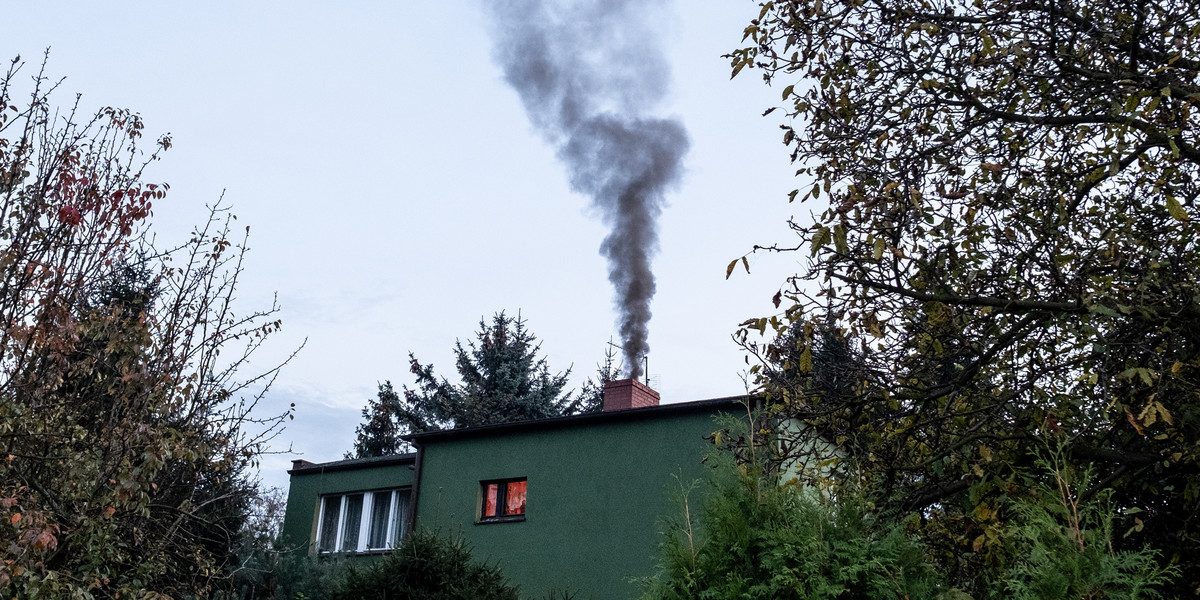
761,539
1061,543
427,566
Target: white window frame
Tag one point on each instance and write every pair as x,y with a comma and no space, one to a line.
364,522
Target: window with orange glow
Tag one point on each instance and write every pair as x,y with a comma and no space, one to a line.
503,500
514,498
489,499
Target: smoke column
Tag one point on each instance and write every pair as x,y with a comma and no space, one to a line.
587,71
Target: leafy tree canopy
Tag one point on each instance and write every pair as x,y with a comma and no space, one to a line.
1005,238
125,434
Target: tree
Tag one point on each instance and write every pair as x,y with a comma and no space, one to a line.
763,534
379,433
503,380
1008,238
591,395
125,432
261,561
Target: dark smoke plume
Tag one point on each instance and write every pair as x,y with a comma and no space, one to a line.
587,72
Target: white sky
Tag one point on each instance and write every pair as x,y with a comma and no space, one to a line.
397,192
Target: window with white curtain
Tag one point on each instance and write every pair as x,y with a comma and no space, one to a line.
503,500
362,521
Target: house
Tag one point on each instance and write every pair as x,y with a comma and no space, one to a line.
568,504
361,506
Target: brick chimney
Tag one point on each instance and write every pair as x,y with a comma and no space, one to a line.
623,394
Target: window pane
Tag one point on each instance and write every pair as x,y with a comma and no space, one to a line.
489,499
329,523
515,502
401,524
354,506
381,506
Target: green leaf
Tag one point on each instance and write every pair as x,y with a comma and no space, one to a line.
1152,105
1144,374
737,69
760,324
806,360
819,239
1176,210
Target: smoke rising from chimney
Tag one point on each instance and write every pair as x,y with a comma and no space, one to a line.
587,72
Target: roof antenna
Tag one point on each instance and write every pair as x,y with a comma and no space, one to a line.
645,360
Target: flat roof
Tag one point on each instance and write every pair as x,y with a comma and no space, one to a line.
355,463
648,412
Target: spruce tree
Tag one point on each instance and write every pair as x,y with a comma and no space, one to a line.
379,433
591,395
502,380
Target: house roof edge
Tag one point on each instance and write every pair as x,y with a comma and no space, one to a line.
580,419
355,463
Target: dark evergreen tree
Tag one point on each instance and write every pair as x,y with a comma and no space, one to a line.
379,433
591,395
503,380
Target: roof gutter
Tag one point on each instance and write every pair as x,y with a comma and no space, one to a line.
438,435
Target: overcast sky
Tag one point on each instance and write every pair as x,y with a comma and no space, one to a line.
397,192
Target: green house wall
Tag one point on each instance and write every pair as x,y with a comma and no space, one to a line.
307,485
597,491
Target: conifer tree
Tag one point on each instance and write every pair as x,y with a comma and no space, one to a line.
591,395
379,433
502,380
